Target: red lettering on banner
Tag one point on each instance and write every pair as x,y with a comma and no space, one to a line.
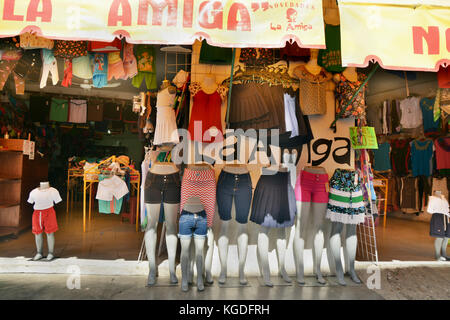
233,23
188,13
447,36
431,37
113,16
214,9
158,7
45,14
8,11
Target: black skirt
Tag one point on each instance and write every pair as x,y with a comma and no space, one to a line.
274,201
439,226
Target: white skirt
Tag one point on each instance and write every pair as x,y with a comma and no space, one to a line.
166,126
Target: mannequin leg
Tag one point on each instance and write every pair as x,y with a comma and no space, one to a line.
437,248
199,244
39,238
299,239
281,253
263,250
51,245
150,240
318,213
191,263
335,246
351,242
223,250
444,248
242,251
171,215
209,256
184,260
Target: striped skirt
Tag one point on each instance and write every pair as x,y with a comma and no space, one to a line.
346,203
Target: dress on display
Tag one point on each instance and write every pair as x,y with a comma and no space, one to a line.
206,110
166,125
345,89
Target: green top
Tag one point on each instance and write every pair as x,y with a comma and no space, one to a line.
59,110
215,55
330,58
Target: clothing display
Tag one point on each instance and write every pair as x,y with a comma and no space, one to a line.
113,206
206,110
39,108
69,49
330,58
111,187
442,185
238,187
429,125
192,224
312,90
95,110
346,203
100,69
215,55
161,188
82,68
290,116
32,41
400,151
201,184
115,66
442,146
106,47
311,187
49,65
273,203
129,62
44,220
382,160
409,197
67,80
421,158
443,77
344,91
411,113
59,110
77,111
292,52
440,226
257,56
166,123
44,198
146,66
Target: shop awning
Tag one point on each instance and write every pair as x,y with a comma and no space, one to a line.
226,23
398,34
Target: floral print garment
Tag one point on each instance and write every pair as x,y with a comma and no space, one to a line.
344,180
345,89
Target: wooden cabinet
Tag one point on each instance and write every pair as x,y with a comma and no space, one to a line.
18,176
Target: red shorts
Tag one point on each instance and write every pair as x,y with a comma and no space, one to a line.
44,220
311,187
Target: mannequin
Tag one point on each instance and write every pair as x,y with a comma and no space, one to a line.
440,243
193,205
312,65
44,218
166,84
242,238
263,240
170,214
315,212
209,84
351,74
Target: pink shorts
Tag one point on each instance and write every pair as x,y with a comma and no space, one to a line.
311,187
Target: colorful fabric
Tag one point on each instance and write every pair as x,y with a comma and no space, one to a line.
44,221
59,110
345,89
145,56
113,206
100,71
129,61
49,65
330,58
81,67
67,80
105,47
32,41
115,66
69,49
346,204
257,56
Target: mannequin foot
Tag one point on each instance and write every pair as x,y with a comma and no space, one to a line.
173,279
320,279
242,280
50,257
341,280
268,283
285,276
200,285
222,278
184,286
151,279
355,277
209,279
37,257
300,279
442,259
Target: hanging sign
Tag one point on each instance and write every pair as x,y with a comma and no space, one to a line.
226,23
363,138
398,34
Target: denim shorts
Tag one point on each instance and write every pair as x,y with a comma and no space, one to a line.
239,186
162,188
192,224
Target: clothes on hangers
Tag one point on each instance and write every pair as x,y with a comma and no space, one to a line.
67,80
49,65
422,157
166,123
100,71
82,68
146,66
411,113
429,125
345,90
442,146
381,157
77,111
400,160
330,58
59,110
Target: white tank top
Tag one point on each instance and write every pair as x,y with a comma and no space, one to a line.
165,99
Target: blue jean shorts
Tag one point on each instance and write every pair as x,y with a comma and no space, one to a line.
192,224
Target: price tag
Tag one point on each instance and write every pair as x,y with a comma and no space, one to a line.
31,154
26,147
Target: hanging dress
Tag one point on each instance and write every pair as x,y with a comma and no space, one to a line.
166,125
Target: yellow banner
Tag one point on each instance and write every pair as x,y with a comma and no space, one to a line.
226,23
398,34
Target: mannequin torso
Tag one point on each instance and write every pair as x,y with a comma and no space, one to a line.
164,168
209,85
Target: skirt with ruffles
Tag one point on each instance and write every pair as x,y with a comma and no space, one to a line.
166,126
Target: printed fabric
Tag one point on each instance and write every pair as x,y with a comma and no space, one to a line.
345,89
330,58
49,65
69,49
129,61
32,41
145,56
346,203
421,157
100,71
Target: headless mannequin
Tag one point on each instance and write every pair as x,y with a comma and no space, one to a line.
166,84
263,242
307,211
351,242
312,65
440,244
39,238
242,238
193,205
170,215
349,73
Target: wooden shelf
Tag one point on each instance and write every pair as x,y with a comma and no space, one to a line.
7,231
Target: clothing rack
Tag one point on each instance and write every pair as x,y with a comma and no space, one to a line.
135,178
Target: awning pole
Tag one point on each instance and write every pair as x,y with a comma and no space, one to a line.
231,86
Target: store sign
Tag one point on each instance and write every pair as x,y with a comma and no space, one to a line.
228,23
372,30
